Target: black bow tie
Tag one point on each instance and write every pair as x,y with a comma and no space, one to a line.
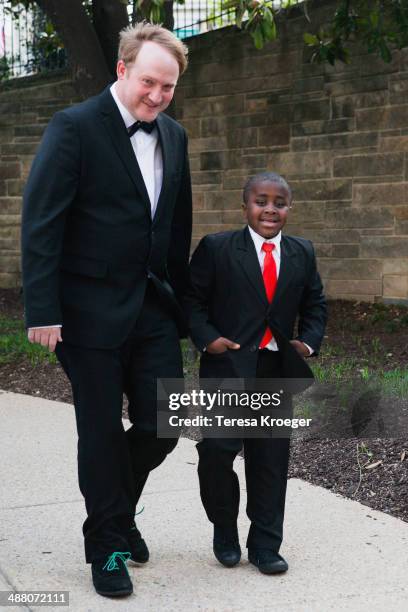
142,125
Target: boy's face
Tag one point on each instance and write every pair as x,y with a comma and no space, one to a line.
267,208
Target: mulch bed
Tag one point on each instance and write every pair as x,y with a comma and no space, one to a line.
374,336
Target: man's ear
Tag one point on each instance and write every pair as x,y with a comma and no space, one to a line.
120,69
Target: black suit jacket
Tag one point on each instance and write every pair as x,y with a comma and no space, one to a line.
88,241
227,298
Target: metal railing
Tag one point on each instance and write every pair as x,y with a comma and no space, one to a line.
29,44
199,16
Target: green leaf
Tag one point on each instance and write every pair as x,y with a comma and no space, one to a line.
258,37
155,14
268,17
226,4
268,30
310,39
331,58
274,32
344,56
239,18
374,17
385,53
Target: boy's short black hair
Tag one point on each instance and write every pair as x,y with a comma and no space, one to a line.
272,177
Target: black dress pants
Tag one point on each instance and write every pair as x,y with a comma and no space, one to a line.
113,465
266,469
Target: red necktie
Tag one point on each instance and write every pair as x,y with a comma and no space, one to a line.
270,280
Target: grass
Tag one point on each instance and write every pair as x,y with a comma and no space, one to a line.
333,372
395,383
14,344
380,313
392,382
333,350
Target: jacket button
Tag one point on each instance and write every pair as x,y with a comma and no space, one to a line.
253,348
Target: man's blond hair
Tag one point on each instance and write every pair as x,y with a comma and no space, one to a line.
132,38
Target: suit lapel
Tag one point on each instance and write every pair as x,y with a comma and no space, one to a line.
166,150
248,259
114,125
286,270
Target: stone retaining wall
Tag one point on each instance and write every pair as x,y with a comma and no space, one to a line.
25,109
338,134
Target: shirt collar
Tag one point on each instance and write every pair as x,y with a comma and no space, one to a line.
259,240
127,116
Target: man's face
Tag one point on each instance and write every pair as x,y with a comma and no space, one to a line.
267,208
146,87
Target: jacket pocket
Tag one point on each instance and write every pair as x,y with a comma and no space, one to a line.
77,264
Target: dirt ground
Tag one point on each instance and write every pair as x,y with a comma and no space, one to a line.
371,471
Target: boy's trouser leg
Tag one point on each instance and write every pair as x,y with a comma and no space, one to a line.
266,469
219,485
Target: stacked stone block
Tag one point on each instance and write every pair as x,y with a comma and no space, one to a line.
338,134
25,110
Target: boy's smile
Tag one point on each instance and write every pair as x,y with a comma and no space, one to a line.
267,208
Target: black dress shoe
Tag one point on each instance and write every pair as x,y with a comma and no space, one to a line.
268,561
139,553
226,546
110,576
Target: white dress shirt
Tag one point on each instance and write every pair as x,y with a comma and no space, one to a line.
276,254
148,153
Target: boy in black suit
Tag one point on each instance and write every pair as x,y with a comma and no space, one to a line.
247,289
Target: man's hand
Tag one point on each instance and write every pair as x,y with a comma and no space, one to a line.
46,336
221,345
301,348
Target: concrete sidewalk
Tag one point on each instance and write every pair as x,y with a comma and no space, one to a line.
342,555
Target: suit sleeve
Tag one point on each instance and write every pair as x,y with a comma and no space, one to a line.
180,243
49,192
198,296
313,309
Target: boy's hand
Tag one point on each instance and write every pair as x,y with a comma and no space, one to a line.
221,345
301,348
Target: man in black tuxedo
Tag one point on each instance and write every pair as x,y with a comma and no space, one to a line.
105,237
247,289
